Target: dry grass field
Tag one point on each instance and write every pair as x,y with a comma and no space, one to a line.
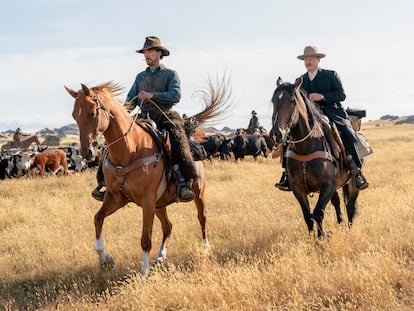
261,257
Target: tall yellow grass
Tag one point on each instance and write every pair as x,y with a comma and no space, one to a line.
262,257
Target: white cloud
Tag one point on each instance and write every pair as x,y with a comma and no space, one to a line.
255,42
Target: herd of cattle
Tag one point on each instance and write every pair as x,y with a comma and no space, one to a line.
240,145
41,160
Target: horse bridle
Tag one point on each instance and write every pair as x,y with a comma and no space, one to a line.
286,131
108,115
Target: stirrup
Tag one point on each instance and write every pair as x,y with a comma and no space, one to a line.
98,195
360,182
283,184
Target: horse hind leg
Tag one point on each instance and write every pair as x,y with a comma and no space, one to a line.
202,216
319,211
337,204
304,204
350,198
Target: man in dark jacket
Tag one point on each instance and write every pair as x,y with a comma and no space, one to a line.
324,88
253,123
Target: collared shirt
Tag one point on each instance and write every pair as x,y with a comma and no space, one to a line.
326,82
164,83
312,75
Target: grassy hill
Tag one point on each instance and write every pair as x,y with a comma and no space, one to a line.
262,257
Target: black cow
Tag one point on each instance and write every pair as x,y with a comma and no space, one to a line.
226,148
14,165
6,166
212,144
248,144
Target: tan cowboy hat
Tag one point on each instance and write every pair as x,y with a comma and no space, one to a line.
152,42
311,51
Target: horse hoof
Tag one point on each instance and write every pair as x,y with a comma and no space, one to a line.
144,272
324,236
206,247
159,260
107,263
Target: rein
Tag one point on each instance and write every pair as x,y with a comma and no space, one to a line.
100,106
312,131
291,123
120,171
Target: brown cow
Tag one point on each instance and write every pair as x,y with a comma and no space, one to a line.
50,160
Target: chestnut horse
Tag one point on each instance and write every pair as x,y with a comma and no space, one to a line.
23,144
134,168
315,159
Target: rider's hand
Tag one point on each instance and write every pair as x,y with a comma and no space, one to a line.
315,97
145,95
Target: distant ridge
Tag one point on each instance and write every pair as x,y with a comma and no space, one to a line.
72,129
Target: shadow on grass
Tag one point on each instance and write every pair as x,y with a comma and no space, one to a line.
90,284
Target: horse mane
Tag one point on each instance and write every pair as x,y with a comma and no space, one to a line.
313,110
319,117
114,88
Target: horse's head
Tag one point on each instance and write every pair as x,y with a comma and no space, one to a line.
287,105
91,116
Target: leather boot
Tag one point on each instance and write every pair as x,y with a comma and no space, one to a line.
284,184
186,194
359,180
96,193
184,191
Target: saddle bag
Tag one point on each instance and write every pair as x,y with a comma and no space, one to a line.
362,146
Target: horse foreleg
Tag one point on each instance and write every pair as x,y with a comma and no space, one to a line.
108,207
166,233
337,204
325,195
304,204
148,209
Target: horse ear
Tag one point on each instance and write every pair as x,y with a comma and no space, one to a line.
298,82
71,92
86,90
279,81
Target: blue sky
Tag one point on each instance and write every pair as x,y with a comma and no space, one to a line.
46,44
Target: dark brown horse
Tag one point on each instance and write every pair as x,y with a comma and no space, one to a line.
315,161
134,168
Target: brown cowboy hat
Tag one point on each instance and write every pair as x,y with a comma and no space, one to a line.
311,51
152,42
